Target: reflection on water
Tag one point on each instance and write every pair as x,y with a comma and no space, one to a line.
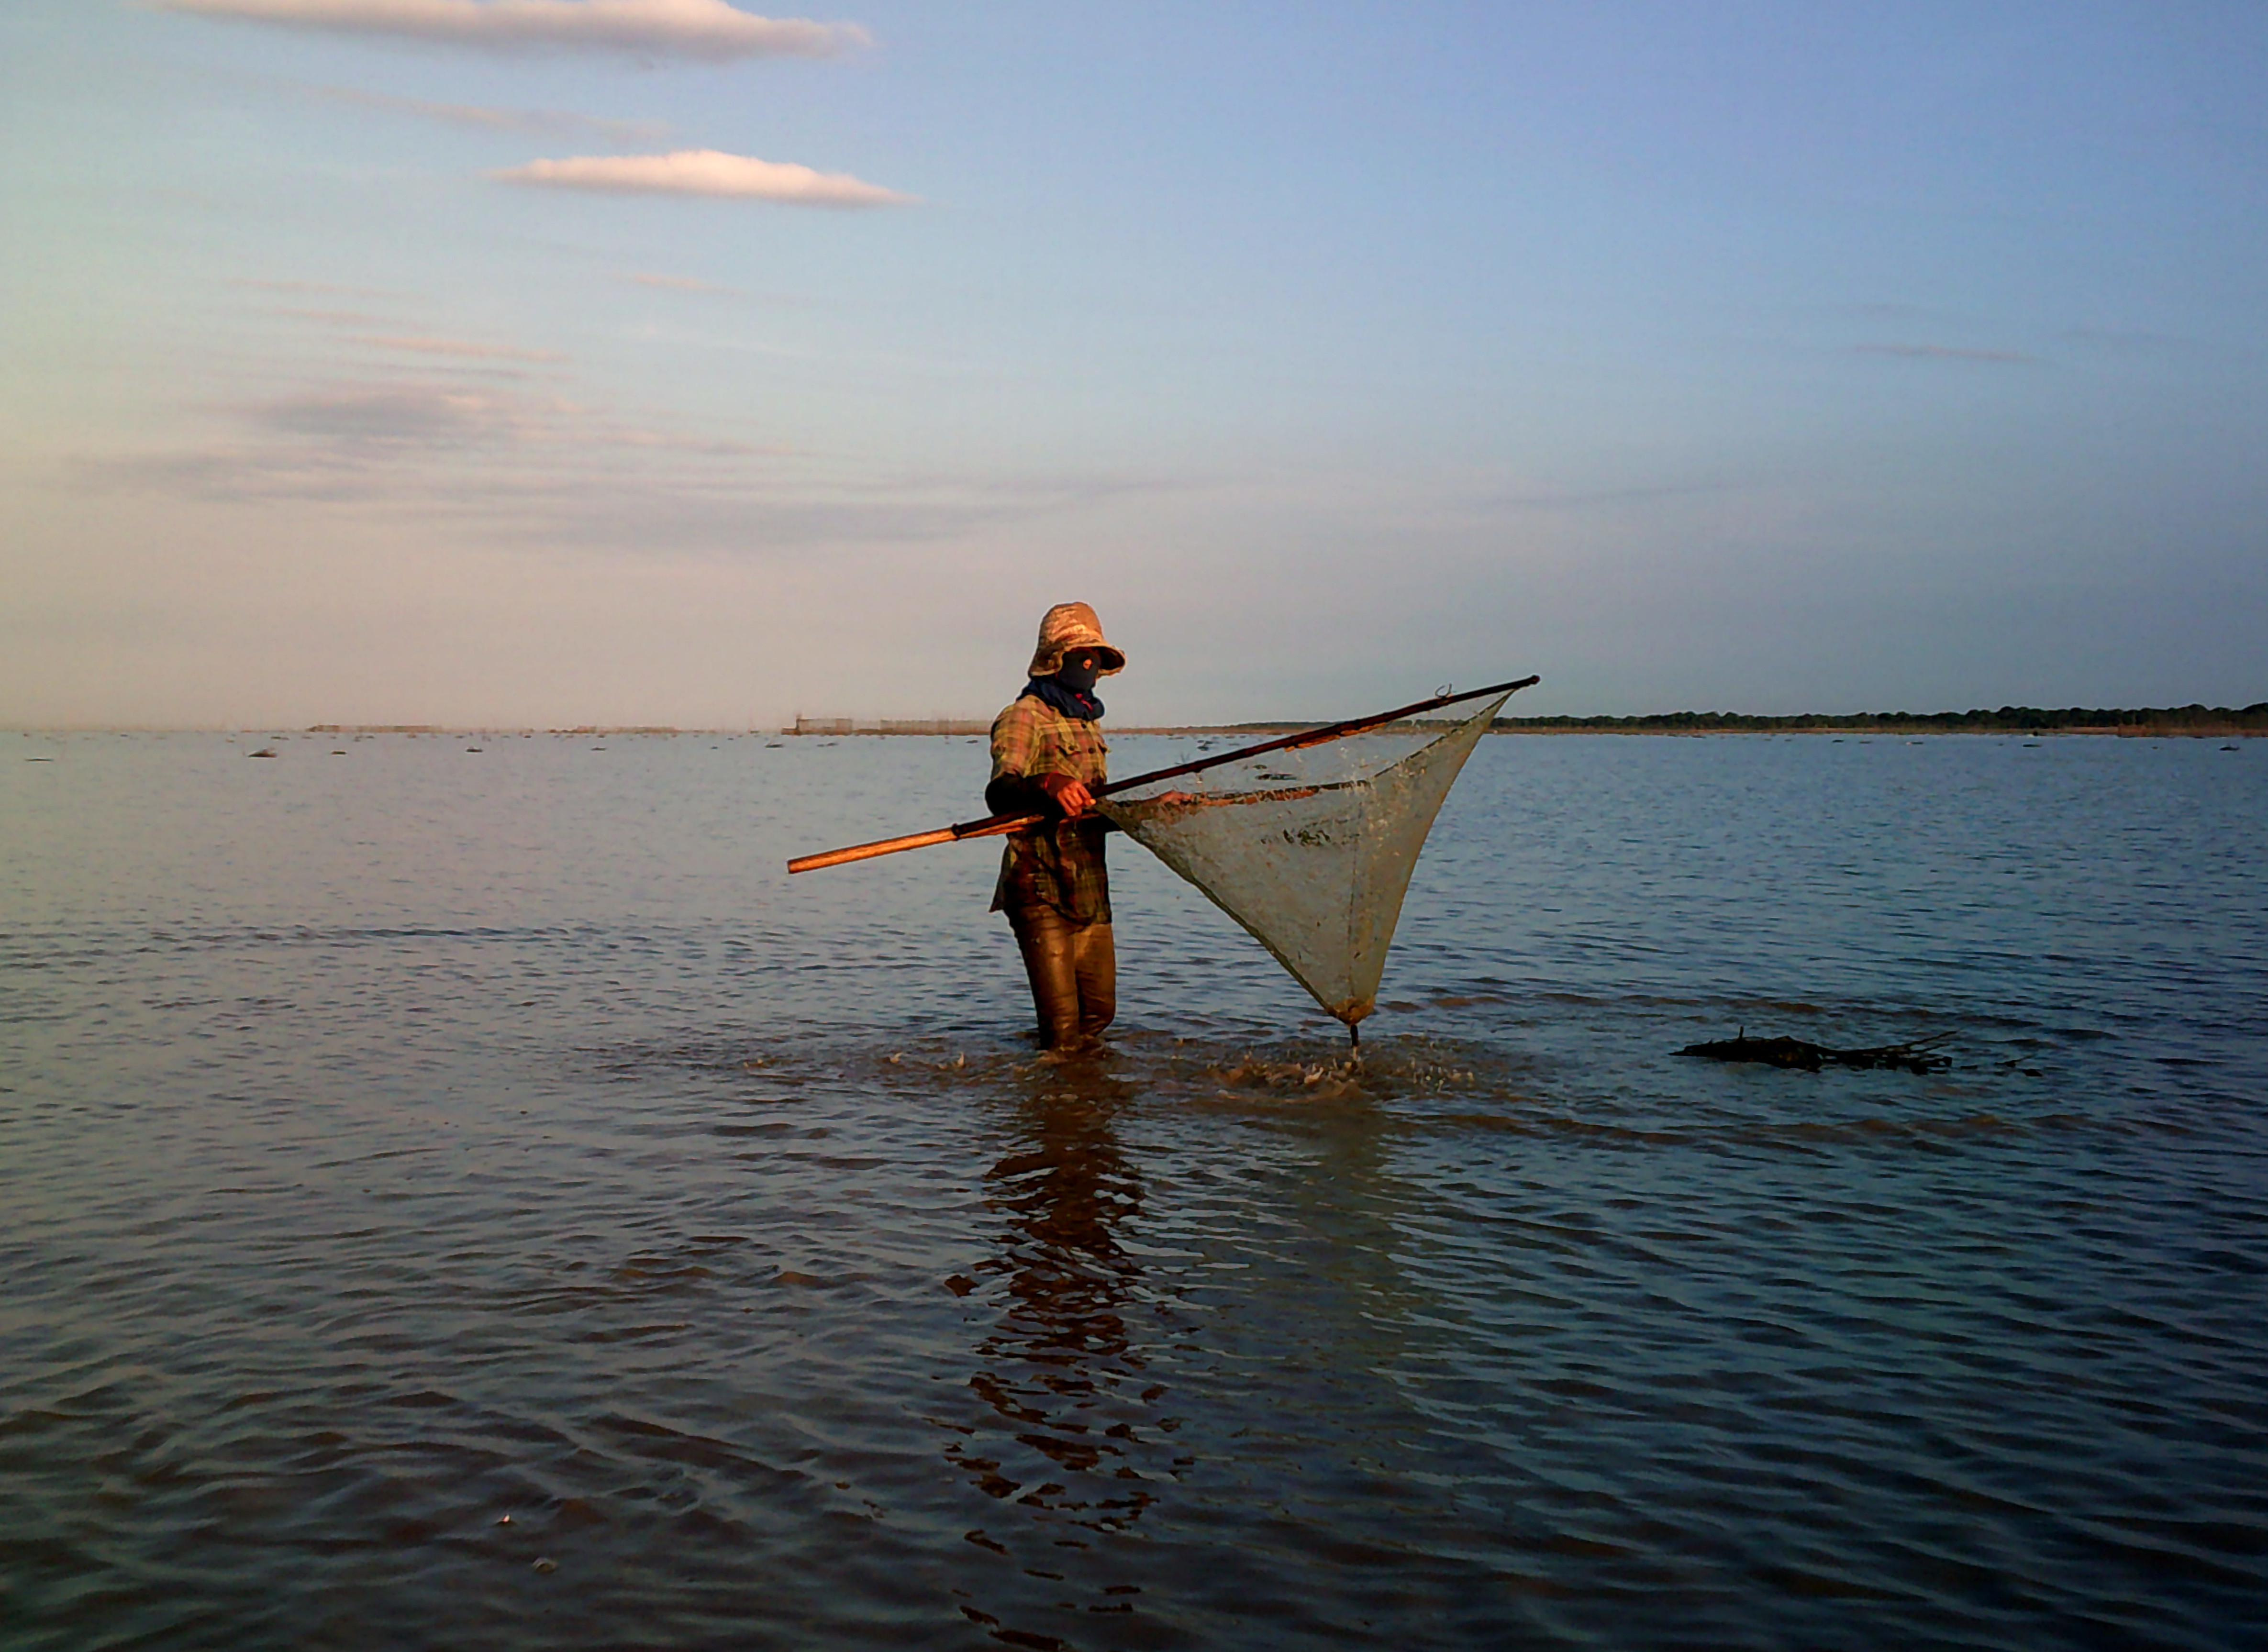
1082,1444
1063,1347
416,1166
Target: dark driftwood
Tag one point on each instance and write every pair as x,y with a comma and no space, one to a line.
1919,1056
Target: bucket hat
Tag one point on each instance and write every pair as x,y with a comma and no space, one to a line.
1069,625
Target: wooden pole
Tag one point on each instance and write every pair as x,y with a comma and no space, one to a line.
995,825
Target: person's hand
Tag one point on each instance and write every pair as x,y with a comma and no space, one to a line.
1068,795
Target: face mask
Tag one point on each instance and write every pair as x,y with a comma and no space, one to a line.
1079,677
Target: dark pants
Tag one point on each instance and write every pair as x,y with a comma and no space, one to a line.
1074,970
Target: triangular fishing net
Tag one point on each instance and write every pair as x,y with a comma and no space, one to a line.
1315,873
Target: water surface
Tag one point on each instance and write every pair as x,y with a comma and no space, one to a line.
472,1198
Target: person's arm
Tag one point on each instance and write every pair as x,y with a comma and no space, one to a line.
1015,794
1016,745
1015,789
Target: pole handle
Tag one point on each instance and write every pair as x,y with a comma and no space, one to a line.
994,825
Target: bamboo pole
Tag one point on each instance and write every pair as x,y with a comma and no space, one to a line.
995,825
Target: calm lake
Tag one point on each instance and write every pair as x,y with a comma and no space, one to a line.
472,1198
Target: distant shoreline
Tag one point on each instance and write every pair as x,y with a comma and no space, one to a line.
2198,721
2160,722
2195,720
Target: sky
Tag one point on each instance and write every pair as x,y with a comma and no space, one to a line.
546,363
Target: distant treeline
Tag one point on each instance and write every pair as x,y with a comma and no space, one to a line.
2007,720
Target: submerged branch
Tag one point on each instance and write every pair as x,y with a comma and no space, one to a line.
1920,1055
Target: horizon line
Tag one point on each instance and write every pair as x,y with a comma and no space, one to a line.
2069,719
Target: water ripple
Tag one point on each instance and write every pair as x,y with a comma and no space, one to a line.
504,1212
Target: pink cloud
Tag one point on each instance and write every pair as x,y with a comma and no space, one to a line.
705,172
701,29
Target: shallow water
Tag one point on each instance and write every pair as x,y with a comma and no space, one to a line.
474,1199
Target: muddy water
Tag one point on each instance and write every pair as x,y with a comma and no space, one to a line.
461,1198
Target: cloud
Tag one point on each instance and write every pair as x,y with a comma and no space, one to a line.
312,289
706,30
1944,353
453,417
710,288
382,417
676,283
459,346
290,286
1604,497
337,318
705,172
2128,340
539,122
515,466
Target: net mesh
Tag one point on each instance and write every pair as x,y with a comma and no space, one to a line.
1314,871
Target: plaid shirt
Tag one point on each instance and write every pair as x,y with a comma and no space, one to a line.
1059,864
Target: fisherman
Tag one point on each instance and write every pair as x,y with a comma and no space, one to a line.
1046,756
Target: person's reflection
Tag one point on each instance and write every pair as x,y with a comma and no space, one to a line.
1061,1365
